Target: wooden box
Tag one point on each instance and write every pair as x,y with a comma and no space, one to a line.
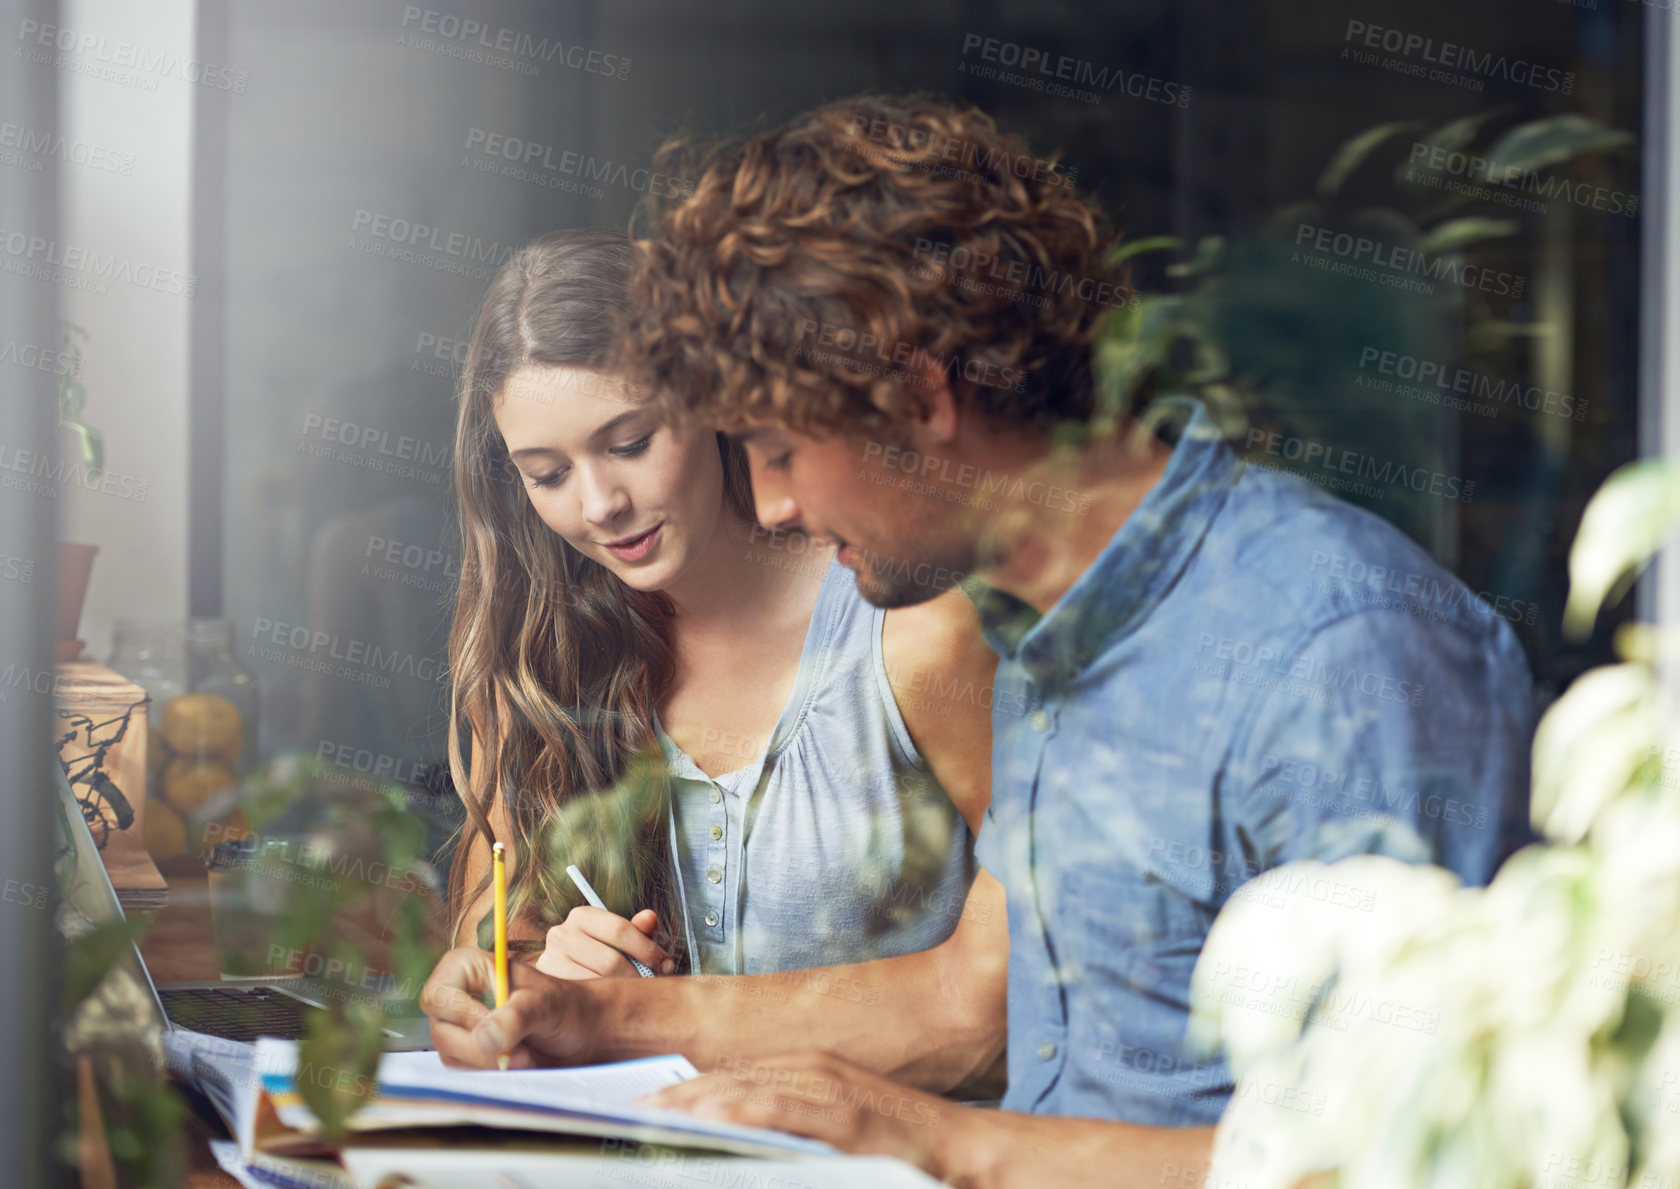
111,703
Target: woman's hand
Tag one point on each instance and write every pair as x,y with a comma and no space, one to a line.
592,942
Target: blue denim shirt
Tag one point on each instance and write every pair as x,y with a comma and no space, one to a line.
1251,672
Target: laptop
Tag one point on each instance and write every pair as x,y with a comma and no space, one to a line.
242,1010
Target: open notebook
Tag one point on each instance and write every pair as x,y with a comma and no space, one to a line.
254,1088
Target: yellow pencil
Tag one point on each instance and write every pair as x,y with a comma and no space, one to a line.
499,863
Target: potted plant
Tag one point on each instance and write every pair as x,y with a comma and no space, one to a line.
75,562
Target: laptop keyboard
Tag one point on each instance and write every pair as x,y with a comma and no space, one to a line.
242,1014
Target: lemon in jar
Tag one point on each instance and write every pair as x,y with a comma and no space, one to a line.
204,726
163,831
189,783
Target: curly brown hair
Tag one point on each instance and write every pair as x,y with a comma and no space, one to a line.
827,274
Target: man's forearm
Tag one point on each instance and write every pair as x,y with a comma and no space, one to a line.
933,1019
1005,1150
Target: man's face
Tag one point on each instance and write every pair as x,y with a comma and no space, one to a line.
905,544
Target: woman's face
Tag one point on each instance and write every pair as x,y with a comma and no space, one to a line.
609,474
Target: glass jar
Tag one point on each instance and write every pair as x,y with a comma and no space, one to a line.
214,667
250,880
203,720
153,655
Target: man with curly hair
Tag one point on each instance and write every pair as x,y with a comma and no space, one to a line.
1207,670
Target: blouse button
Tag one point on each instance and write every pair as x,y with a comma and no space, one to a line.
716,796
1040,720
711,920
1046,1050
715,875
717,832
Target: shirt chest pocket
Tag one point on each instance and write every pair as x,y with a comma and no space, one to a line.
1126,927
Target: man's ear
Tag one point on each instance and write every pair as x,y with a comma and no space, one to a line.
936,420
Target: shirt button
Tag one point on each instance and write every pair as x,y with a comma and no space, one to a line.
711,920
717,832
1040,720
1046,1049
716,796
715,875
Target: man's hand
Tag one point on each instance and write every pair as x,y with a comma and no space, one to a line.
827,1098
592,942
542,1022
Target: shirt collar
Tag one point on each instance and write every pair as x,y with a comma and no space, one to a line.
1133,572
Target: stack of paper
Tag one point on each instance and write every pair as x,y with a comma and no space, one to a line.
416,1090
629,1168
420,1117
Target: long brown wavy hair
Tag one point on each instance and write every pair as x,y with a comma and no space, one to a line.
556,666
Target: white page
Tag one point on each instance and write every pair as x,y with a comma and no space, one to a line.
586,1088
645,1168
603,1093
224,1071
607,1091
265,1172
227,1155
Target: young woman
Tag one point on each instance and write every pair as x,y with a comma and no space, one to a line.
739,752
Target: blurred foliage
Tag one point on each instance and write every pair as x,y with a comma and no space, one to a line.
72,397
1551,1054
1260,335
340,879
107,1019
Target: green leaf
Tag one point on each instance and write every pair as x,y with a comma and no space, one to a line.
1624,524
1207,255
1455,134
1449,137
90,957
72,398
1449,237
338,1063
1153,243
1540,143
91,445
1353,152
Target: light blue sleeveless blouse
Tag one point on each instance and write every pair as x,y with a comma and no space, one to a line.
837,844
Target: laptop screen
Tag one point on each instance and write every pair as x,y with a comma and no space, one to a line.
90,901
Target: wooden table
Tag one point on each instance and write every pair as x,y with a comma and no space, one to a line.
180,946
